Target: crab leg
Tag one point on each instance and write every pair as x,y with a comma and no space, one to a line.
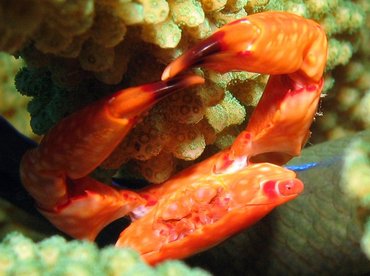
55,173
279,126
228,192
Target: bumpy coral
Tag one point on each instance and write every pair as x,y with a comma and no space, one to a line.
347,111
346,107
356,174
12,104
54,256
21,222
77,51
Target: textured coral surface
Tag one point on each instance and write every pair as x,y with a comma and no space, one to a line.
55,256
12,104
347,105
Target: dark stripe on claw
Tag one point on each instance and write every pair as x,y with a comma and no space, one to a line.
210,47
163,89
134,101
195,56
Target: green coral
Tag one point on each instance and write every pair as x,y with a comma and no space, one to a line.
356,179
55,256
346,106
51,101
20,221
187,12
346,111
167,34
12,104
228,112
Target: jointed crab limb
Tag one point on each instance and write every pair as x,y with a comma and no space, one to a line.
279,126
55,173
290,48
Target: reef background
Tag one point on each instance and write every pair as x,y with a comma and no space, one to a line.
65,54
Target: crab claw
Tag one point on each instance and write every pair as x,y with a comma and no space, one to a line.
223,51
293,51
134,102
196,56
270,43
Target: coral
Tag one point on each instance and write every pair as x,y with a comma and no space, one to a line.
166,34
55,256
356,181
159,169
12,104
346,107
80,51
21,222
347,110
228,112
357,170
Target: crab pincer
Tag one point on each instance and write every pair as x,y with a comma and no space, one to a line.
288,47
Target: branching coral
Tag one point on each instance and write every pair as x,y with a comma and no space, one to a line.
54,256
21,222
346,107
77,51
356,183
346,111
12,104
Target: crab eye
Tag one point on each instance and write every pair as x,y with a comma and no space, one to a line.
274,188
290,187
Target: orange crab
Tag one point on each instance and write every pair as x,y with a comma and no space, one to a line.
212,200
